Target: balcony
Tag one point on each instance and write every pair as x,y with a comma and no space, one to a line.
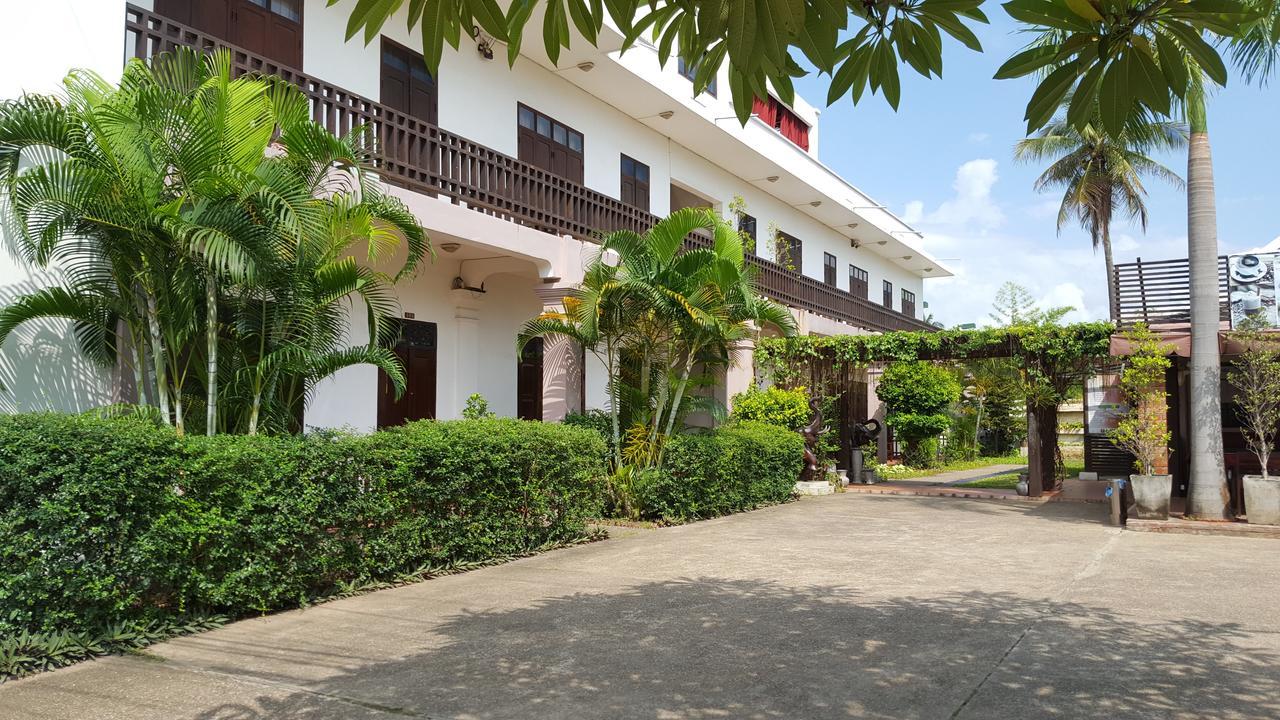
427,159
1158,292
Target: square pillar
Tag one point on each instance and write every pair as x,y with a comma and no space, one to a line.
563,364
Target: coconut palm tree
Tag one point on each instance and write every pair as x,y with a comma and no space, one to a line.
1101,174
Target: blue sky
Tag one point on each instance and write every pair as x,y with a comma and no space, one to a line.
944,161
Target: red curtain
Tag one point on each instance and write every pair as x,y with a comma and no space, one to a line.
793,128
766,110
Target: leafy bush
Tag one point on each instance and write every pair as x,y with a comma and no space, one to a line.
917,395
739,466
595,420
477,408
774,406
114,521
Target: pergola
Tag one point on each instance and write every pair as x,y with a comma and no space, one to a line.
1049,357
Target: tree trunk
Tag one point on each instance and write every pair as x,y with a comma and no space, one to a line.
1112,303
211,333
1207,496
158,359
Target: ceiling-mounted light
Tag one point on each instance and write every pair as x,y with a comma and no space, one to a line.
772,178
928,270
882,242
667,114
586,66
851,226
815,203
450,247
907,257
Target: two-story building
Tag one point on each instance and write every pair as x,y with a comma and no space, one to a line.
513,171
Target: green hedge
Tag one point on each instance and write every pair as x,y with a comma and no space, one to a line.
736,467
108,521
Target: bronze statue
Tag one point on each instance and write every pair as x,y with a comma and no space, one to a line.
865,432
813,467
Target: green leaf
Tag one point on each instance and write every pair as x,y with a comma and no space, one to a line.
1114,99
1147,82
741,34
582,19
958,30
1172,64
490,17
555,30
1201,51
1027,62
1085,9
887,70
369,14
1085,99
1049,94
517,19
1046,14
818,40
743,99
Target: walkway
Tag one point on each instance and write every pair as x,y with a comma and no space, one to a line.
844,606
955,477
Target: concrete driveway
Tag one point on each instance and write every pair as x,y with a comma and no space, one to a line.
846,606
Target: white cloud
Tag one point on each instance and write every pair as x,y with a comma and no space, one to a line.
972,204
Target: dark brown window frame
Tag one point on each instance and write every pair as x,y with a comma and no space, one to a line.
829,263
637,183
747,226
908,302
887,288
794,253
412,56
552,123
859,282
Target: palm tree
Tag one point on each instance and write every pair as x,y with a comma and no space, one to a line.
668,308
1100,174
182,197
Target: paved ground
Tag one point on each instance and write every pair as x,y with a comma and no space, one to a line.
845,606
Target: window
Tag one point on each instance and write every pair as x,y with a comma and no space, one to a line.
788,250
406,84
747,227
908,303
783,119
635,183
888,294
549,144
288,9
828,268
858,281
691,71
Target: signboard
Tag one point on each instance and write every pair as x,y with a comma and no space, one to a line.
1251,284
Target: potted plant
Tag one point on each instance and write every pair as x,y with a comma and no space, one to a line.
1255,375
1144,431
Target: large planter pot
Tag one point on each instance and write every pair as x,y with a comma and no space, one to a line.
1151,496
1262,500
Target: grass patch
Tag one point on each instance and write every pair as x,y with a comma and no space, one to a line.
1008,481
902,472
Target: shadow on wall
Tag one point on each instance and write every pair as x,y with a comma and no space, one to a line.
41,366
714,648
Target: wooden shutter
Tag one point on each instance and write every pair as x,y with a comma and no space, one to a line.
887,288
635,183
549,144
417,351
406,84
529,381
829,268
858,282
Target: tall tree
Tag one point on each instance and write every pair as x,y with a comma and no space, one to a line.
1101,174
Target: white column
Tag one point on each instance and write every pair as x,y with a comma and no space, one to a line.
740,375
466,317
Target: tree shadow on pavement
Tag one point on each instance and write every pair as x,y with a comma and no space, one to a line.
710,648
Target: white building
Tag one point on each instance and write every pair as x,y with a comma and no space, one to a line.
511,171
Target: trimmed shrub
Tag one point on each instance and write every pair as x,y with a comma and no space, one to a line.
774,406
104,521
739,466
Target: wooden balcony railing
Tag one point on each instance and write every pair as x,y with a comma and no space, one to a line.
1159,292
428,159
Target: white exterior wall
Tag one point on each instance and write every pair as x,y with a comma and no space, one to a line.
477,99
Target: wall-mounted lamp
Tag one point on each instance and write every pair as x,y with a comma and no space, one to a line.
484,43
450,247
460,284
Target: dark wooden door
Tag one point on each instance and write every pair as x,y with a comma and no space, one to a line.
417,351
271,28
529,381
406,84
